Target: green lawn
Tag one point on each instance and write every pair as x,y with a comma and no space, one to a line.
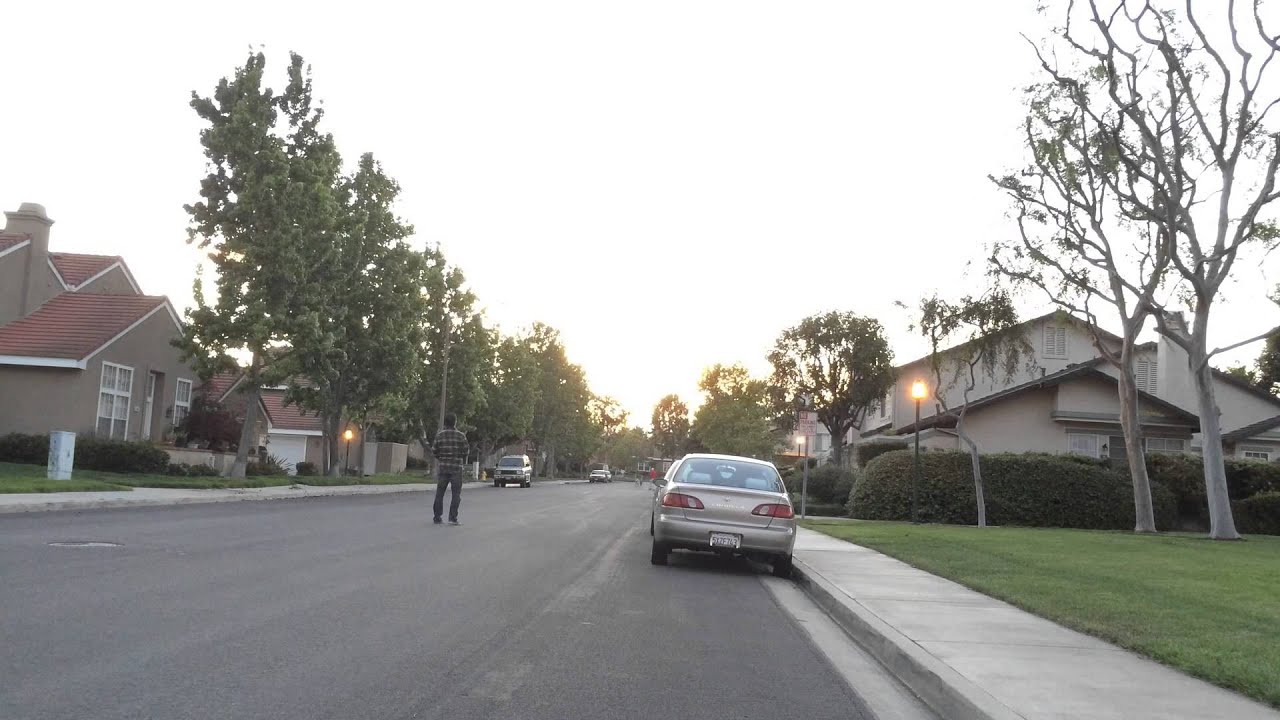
17,478
1209,608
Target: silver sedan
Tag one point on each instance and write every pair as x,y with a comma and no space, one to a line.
724,504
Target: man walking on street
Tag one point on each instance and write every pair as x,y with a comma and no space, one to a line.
450,449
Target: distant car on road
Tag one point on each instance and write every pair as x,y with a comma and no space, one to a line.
724,504
515,470
600,474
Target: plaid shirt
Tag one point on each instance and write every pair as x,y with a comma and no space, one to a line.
450,448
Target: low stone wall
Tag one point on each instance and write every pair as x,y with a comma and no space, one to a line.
219,461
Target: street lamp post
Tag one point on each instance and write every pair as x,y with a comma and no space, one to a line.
346,462
918,392
804,482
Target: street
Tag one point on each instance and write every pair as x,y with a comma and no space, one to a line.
543,604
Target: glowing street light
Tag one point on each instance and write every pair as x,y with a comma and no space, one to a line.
919,391
347,461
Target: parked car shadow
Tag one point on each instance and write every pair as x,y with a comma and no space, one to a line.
708,562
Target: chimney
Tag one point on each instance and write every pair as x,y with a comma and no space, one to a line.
31,219
1173,370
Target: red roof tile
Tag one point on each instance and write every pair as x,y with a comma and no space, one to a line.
289,417
72,326
219,385
9,240
75,268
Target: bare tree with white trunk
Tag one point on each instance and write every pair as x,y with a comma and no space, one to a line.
1155,162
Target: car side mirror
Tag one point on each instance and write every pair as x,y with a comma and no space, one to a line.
659,482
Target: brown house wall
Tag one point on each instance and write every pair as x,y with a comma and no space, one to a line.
12,269
42,399
114,282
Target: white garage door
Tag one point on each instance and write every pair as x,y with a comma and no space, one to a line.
292,449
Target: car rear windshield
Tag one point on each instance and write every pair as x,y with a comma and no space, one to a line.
730,473
511,462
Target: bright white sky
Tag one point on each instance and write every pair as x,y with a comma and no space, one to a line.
669,183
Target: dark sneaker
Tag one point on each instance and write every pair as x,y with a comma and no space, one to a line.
435,521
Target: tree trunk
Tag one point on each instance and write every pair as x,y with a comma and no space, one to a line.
549,470
248,432
1131,423
975,460
837,446
334,460
1222,525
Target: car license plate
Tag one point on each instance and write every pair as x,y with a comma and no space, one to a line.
725,540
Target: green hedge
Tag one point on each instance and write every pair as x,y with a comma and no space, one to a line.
1030,489
23,448
827,484
306,469
91,454
866,452
1183,474
1258,515
185,470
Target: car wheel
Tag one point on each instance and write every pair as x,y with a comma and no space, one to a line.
782,567
495,482
528,483
650,524
659,554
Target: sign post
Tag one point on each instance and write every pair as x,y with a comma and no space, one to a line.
806,427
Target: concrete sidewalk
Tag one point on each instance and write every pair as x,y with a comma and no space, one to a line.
142,497
970,656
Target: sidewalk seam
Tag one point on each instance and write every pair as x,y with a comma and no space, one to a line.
939,685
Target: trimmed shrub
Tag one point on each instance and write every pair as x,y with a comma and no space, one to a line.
821,509
202,471
1031,490
827,484
1246,478
178,469
866,452
1183,474
119,456
24,448
1258,515
306,469
266,466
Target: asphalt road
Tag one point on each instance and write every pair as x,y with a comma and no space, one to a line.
543,604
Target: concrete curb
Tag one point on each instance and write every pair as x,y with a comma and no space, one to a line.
244,494
940,686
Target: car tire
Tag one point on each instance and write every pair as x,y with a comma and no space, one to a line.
650,524
495,482
658,556
527,483
782,566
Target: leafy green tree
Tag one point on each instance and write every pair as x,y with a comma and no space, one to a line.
990,346
735,418
623,449
561,418
365,348
510,390
454,352
1268,366
841,361
670,426
267,217
607,415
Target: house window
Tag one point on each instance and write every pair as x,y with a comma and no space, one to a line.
1146,370
1055,342
884,407
1115,448
1165,445
181,402
1082,444
113,400
1256,453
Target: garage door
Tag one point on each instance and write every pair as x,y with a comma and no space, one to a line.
292,449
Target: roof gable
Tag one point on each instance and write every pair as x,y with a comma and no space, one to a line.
1249,431
290,416
70,328
76,270
10,242
1027,325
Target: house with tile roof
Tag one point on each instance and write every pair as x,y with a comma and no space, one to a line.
1065,400
81,347
286,430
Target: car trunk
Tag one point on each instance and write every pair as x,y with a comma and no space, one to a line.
728,505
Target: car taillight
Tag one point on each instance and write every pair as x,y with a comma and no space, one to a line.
774,510
681,500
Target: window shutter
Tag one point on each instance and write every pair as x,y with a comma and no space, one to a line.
1055,342
1152,373
1142,375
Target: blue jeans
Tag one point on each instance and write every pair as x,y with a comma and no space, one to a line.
448,477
